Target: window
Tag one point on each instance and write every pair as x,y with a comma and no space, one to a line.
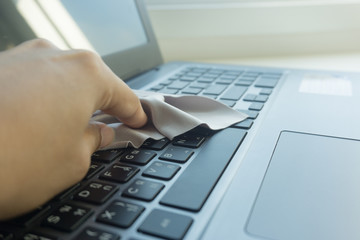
203,29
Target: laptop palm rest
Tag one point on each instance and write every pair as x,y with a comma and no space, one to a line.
310,191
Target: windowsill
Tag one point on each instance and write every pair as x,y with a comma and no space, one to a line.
338,62
233,31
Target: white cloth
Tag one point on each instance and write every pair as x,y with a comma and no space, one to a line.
170,116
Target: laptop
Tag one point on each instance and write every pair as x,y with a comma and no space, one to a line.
289,171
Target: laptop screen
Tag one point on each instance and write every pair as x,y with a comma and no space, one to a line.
119,31
100,22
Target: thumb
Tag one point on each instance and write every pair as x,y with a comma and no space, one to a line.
98,135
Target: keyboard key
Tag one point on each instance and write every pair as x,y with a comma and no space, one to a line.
91,233
243,83
234,93
215,71
211,75
166,225
247,78
155,144
205,79
251,114
167,82
176,154
194,74
157,88
177,85
206,168
252,73
225,81
276,75
261,98
188,78
189,140
94,169
200,69
96,192
266,83
216,89
236,73
120,214
229,103
106,156
250,97
67,217
161,170
200,131
119,173
168,91
175,77
228,76
34,236
138,156
191,90
199,85
143,190
265,91
246,124
256,106
255,98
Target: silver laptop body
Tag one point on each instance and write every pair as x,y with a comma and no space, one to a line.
291,173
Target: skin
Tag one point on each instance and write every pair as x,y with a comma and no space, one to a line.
47,99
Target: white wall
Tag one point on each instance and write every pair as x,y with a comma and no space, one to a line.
195,30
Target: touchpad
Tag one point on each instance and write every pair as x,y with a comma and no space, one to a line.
311,190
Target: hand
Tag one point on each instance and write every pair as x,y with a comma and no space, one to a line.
46,140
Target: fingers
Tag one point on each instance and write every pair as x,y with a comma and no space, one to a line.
109,93
115,97
98,135
35,44
126,106
120,101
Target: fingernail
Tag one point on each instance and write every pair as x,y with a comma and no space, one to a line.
107,135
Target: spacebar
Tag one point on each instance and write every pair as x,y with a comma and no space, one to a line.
195,184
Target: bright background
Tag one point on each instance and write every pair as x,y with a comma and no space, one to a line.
294,33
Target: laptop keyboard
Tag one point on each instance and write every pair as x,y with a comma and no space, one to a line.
157,190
